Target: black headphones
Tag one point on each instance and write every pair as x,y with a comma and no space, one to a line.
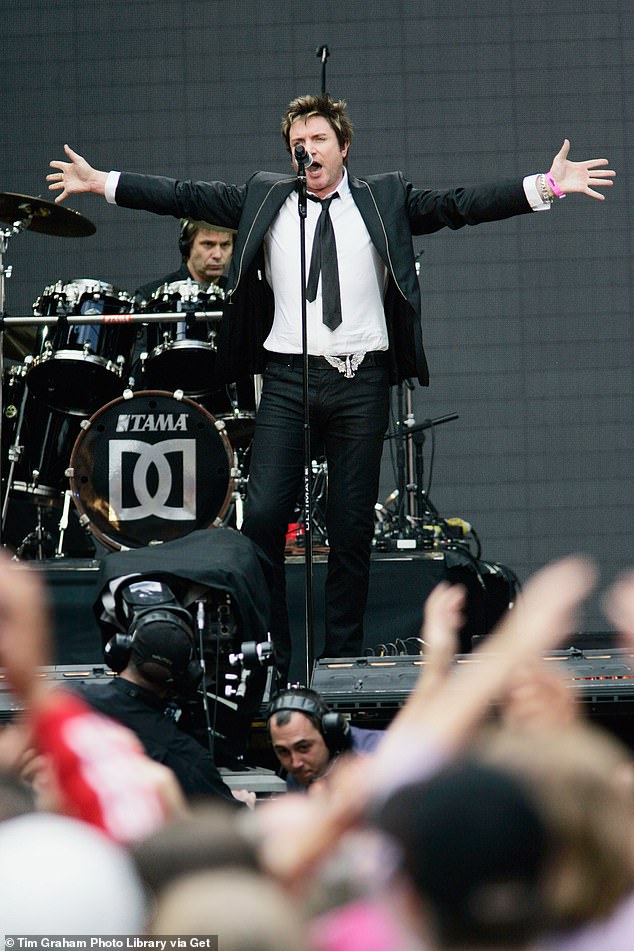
186,237
334,727
165,659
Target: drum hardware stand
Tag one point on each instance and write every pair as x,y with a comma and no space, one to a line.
410,533
14,454
234,402
39,536
319,498
5,273
63,523
237,497
404,468
257,389
319,492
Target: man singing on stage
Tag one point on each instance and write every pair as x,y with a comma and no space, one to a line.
363,312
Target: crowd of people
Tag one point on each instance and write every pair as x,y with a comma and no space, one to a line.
489,814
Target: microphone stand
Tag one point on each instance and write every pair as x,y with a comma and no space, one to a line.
301,156
322,53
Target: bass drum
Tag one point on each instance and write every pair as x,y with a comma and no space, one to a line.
81,366
182,354
150,467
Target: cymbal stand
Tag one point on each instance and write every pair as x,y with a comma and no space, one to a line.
5,273
423,504
405,482
15,451
410,437
424,507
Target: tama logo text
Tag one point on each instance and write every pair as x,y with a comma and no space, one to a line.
152,422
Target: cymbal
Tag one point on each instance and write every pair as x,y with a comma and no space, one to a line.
47,217
19,342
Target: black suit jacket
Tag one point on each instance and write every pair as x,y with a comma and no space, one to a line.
392,209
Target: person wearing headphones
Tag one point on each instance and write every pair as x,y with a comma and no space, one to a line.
156,665
199,283
205,249
308,737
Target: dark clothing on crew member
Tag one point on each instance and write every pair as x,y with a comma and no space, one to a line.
146,715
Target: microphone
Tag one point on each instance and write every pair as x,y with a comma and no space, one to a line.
302,157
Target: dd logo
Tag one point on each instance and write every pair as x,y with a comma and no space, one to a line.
158,471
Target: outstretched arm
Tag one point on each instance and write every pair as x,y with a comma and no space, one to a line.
75,177
582,177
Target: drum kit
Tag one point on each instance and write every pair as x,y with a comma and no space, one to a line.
142,447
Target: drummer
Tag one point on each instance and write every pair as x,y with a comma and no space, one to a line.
206,250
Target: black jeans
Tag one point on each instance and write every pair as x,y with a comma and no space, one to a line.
349,418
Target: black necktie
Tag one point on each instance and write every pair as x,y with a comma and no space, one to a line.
324,260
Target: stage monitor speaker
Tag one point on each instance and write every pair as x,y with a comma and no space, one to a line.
374,688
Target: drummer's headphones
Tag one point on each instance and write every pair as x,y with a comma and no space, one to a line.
334,727
160,642
186,236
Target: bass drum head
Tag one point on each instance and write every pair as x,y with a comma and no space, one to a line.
150,467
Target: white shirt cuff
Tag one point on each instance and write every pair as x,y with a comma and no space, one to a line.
111,187
533,197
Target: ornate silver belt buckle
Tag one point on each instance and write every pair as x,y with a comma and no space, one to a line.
348,366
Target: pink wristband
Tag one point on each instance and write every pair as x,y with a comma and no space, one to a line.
554,187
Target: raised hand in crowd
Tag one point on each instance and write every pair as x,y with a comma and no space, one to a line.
618,604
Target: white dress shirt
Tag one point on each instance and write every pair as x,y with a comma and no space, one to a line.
362,278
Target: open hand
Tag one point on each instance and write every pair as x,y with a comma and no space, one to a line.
583,177
75,177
